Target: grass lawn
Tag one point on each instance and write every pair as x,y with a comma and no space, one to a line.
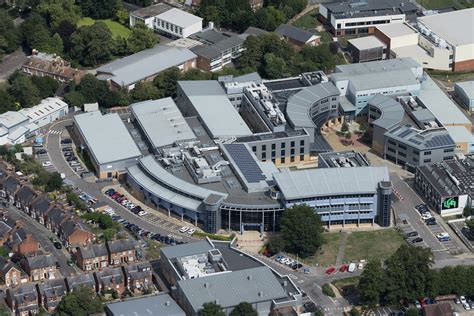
117,29
372,244
440,4
308,21
328,253
153,250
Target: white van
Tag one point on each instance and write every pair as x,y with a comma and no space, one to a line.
352,267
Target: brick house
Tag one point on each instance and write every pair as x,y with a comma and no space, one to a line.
11,274
138,276
121,251
81,280
23,299
42,267
51,293
73,233
110,279
24,197
54,218
6,230
8,188
28,246
92,257
39,207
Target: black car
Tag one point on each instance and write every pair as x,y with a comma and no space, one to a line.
68,153
296,266
412,234
41,152
71,158
430,221
417,240
66,149
66,141
58,245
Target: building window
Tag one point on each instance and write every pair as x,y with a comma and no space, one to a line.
416,152
402,154
264,147
301,150
402,146
283,152
426,153
292,144
283,145
448,158
301,157
264,155
292,159
427,160
448,150
273,146
292,151
302,142
254,149
282,160
273,154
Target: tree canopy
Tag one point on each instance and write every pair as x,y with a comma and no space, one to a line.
81,302
141,38
244,309
211,309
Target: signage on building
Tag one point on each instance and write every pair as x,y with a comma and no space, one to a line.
449,203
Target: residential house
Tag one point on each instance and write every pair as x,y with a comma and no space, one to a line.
51,293
8,188
28,246
11,274
80,280
42,267
39,207
73,233
5,232
23,299
92,257
24,197
54,218
110,279
138,276
121,251
296,37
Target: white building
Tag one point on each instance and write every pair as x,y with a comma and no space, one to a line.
48,111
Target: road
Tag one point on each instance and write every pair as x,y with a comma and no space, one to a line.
42,235
53,147
10,63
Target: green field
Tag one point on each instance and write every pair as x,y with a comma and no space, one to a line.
308,21
440,4
117,29
328,253
372,244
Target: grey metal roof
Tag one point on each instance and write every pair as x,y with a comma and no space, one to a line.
161,304
162,122
217,49
107,137
421,139
423,115
299,105
392,111
12,118
194,248
378,79
369,7
151,11
230,288
214,108
294,32
179,17
144,64
253,76
329,181
376,66
210,36
467,87
443,108
366,42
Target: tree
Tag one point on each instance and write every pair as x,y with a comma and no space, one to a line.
56,11
211,309
355,312
274,67
166,82
244,309
92,89
301,229
81,302
92,45
141,38
371,283
144,90
4,311
47,86
121,16
7,102
276,244
348,135
344,127
100,9
75,98
412,312
54,183
24,91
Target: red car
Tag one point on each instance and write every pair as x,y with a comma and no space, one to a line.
115,195
343,268
330,270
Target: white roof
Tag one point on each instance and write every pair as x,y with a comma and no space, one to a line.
308,183
107,137
456,27
162,122
467,87
460,134
11,118
366,42
179,18
46,107
396,29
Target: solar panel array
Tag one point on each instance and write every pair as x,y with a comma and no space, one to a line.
245,162
440,140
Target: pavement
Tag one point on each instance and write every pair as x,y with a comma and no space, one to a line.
10,63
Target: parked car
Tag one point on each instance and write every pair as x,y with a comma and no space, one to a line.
183,229
66,141
330,270
41,152
430,221
71,158
65,149
462,299
417,240
466,306
343,268
352,267
58,245
296,266
412,234
426,216
47,163
191,231
417,304
443,237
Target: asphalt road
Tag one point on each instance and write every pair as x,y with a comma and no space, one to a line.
11,62
52,144
42,235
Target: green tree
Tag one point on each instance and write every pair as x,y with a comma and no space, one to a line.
412,312
344,127
269,18
7,102
81,302
371,283
4,311
145,90
141,38
244,309
327,290
92,45
75,98
24,91
301,229
47,86
274,67
109,234
56,11
54,183
121,16
92,89
100,9
211,309
355,312
166,82
276,244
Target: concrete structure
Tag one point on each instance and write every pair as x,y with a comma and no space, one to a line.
447,186
464,90
368,48
350,196
297,37
452,31
48,111
145,65
342,159
146,15
349,17
161,304
106,141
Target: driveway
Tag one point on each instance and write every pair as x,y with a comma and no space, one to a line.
10,63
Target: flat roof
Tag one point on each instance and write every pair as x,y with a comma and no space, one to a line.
214,108
392,111
369,7
366,42
161,304
455,27
396,29
47,106
460,134
162,122
144,64
179,17
467,87
421,139
376,66
189,249
12,118
443,108
230,288
107,137
347,158
151,11
308,183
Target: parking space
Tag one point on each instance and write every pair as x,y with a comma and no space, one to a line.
385,311
466,235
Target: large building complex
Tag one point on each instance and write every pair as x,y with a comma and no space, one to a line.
465,92
447,186
361,17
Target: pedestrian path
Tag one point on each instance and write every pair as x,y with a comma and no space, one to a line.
55,132
342,247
